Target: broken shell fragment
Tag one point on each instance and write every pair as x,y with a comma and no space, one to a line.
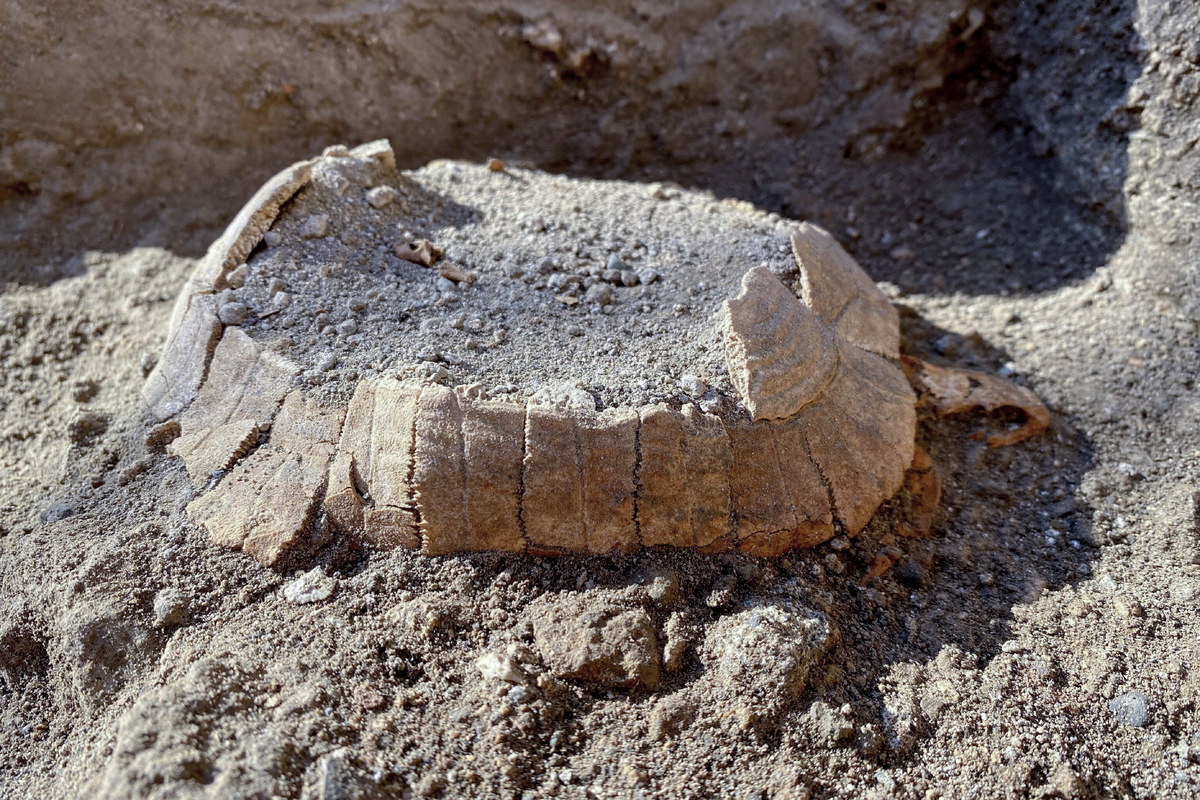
781,356
810,430
838,291
267,504
194,328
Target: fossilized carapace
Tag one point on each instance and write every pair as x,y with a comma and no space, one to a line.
806,427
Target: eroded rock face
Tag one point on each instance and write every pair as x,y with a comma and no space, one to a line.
817,431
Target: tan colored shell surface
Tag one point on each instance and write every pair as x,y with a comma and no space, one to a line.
829,433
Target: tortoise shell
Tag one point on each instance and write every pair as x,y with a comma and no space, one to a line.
821,433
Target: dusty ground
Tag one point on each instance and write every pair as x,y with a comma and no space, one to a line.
1028,187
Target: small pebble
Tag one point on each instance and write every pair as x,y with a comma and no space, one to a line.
647,276
58,511
1131,708
170,608
561,280
693,386
281,300
601,294
615,263
333,179
234,313
495,666
315,227
348,328
433,372
629,278
273,238
381,196
237,277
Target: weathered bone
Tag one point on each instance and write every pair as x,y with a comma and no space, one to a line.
956,391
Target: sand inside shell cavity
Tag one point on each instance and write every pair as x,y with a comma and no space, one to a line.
545,284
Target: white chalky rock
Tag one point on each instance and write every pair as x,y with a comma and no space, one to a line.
313,586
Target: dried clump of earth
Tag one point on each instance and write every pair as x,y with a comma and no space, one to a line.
365,354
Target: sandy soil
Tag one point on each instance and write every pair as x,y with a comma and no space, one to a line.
1031,202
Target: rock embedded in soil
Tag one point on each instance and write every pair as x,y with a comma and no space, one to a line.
451,387
671,716
1131,708
497,666
170,608
597,641
759,658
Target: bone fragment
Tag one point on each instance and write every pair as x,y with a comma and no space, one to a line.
956,391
